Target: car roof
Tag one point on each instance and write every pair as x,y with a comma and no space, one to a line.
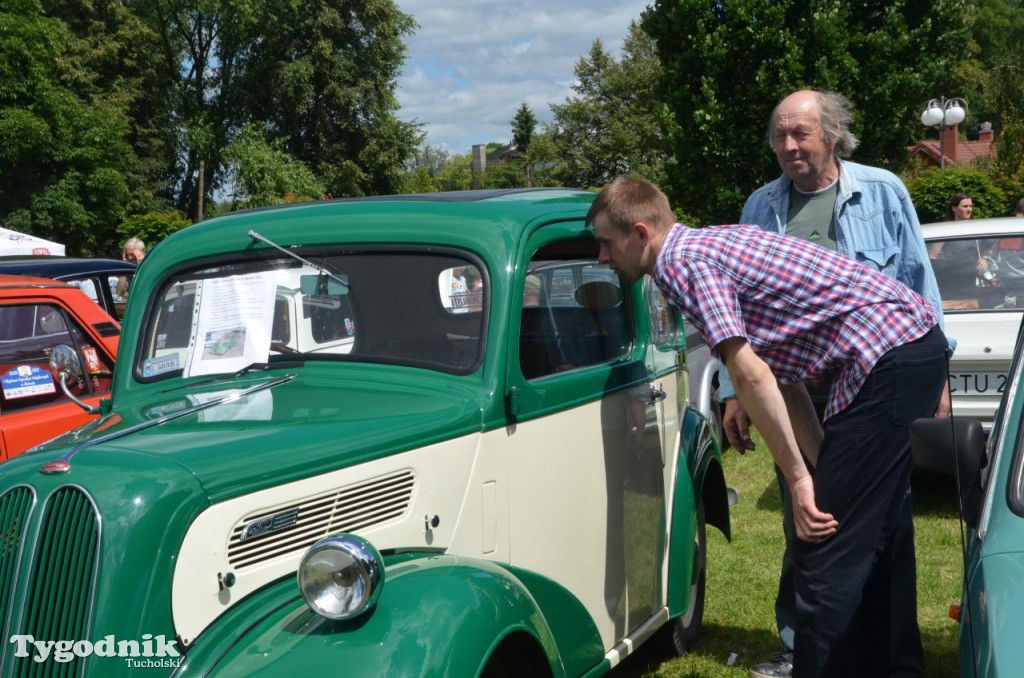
976,228
24,282
491,221
62,267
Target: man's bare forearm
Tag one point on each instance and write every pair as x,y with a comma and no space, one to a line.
804,420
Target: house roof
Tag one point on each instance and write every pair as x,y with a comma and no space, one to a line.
956,151
965,152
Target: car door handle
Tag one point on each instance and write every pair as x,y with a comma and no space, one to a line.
657,394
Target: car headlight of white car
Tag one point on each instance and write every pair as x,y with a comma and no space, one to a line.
341,576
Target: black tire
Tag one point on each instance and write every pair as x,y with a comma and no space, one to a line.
681,633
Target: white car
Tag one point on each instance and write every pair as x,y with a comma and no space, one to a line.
702,373
979,265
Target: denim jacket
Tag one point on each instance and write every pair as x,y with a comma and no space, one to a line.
875,224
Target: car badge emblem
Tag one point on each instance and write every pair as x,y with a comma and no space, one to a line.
264,526
52,468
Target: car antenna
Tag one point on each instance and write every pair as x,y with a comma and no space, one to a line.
323,271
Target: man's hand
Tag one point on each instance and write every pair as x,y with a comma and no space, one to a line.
758,390
811,524
737,426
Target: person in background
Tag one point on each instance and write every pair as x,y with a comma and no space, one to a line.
134,251
1019,209
779,311
864,213
961,208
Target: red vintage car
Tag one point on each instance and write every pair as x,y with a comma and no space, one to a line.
56,346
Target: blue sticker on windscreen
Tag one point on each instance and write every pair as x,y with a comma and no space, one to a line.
160,364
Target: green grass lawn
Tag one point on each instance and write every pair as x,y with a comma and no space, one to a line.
739,620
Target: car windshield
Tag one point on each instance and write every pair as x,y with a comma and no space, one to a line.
421,309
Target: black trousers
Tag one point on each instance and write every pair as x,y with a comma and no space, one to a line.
844,583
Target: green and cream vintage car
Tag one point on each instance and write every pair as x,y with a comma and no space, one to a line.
420,435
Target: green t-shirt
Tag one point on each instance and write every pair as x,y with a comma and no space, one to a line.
811,215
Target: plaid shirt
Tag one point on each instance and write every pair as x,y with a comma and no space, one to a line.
806,311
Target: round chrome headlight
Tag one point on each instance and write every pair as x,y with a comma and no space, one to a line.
341,576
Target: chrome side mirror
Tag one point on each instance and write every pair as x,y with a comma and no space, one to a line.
65,365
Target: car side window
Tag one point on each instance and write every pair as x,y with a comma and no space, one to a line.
664,322
28,335
118,286
88,286
575,314
979,274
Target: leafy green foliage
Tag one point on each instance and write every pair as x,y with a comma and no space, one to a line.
264,174
115,107
65,156
932,189
613,124
151,228
1006,85
726,65
523,127
324,80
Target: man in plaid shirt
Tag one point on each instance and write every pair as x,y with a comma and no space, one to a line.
778,311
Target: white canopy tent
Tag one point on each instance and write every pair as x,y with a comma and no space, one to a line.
12,242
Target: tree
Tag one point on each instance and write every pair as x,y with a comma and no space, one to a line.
613,124
1006,84
152,227
324,79
994,27
523,127
122,56
263,174
64,150
524,124
726,64
320,75
431,158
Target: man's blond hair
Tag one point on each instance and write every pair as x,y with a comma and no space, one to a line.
629,200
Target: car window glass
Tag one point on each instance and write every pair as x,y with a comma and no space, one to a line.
118,286
575,314
979,274
461,289
88,286
28,334
371,306
664,325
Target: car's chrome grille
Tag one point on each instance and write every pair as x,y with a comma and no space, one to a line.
58,585
351,509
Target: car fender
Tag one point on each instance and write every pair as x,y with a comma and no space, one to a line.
699,474
436,615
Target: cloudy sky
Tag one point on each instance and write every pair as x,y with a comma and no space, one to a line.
473,62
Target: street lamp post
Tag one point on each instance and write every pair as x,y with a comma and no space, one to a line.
944,112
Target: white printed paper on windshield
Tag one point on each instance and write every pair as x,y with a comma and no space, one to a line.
231,323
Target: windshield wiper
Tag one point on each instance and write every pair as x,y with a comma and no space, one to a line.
251,367
320,269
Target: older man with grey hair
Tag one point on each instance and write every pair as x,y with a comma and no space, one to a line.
134,251
866,214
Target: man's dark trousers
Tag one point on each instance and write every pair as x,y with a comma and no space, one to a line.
844,583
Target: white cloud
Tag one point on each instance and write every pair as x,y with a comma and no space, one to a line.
472,64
